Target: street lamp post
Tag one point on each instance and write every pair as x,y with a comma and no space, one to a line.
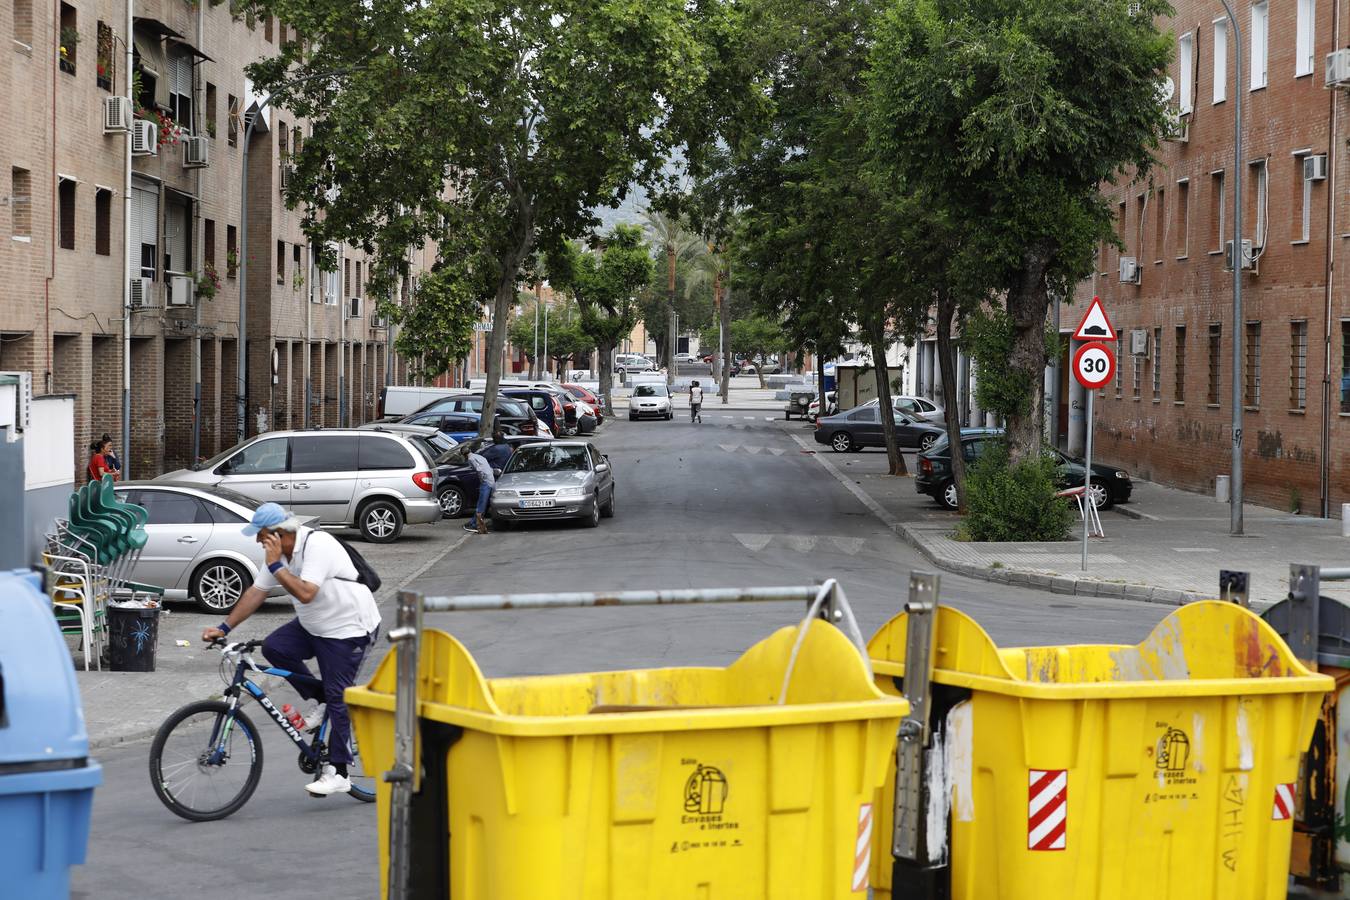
1235,482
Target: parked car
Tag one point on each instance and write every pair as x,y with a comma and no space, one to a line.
434,441
546,406
934,477
799,402
507,410
458,427
589,397
650,399
632,362
195,545
861,427
370,480
831,405
554,480
685,359
457,480
398,400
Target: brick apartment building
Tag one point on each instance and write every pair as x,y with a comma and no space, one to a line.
315,355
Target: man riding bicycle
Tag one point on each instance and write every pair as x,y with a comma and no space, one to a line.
336,623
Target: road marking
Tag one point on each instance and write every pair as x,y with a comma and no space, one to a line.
775,451
877,509
1194,550
754,542
751,418
802,543
848,545
770,419
752,448
729,447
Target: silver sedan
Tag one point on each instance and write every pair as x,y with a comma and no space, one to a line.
195,547
554,480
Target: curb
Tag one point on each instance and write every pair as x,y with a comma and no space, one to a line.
1057,584
104,743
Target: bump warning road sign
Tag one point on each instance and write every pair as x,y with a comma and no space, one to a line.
1095,326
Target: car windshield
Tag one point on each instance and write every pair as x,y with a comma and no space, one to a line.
548,458
649,390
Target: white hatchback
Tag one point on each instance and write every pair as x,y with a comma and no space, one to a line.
650,398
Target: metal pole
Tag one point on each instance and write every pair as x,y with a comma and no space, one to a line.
129,265
403,778
537,302
481,602
1235,489
1087,479
545,337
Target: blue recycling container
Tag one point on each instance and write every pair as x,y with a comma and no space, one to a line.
47,780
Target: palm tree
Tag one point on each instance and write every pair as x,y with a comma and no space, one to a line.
680,246
711,269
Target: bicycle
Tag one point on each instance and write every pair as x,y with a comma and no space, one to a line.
192,751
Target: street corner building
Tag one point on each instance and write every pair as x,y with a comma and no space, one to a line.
1168,413
108,205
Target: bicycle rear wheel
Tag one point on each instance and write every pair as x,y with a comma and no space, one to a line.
206,761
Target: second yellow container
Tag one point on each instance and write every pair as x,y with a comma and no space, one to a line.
1165,770
687,784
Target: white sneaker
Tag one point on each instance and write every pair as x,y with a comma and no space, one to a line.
330,782
314,717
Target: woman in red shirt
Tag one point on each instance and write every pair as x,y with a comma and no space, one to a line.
98,463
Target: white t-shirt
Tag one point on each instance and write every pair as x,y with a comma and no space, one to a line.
343,607
695,396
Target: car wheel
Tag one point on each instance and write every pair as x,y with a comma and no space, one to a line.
451,500
593,520
632,417
217,585
948,498
927,441
1101,495
841,442
608,509
380,521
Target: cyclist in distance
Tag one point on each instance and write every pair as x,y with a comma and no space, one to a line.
336,623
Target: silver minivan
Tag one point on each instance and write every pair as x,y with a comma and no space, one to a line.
373,481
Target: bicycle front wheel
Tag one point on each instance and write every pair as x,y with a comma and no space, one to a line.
206,761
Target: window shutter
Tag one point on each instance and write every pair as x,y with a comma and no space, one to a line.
176,236
145,209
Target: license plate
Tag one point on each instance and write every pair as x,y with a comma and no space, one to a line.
535,504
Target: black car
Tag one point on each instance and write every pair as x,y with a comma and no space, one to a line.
509,411
861,427
934,476
457,480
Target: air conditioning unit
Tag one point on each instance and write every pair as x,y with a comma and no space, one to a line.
1315,167
378,321
1338,69
196,152
117,117
353,307
1129,270
1178,126
1139,342
144,138
1248,256
182,291
285,175
142,296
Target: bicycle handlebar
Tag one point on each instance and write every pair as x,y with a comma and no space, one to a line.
221,645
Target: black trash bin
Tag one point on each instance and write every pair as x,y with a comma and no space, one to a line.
133,634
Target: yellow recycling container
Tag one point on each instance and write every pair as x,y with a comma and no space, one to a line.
1164,771
664,783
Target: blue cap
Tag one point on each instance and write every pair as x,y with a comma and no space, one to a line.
269,515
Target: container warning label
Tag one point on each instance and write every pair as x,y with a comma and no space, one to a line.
1047,809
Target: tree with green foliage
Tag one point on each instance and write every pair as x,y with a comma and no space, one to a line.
677,248
757,337
1008,117
436,325
502,124
605,283
524,329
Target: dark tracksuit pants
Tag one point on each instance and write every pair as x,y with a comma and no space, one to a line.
339,661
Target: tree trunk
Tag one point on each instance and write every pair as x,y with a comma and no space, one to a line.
501,311
606,369
725,321
820,385
1028,302
759,369
946,312
884,407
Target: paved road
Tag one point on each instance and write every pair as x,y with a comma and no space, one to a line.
726,503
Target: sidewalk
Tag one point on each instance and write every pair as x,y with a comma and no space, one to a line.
1165,546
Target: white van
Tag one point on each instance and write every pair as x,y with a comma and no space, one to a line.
401,401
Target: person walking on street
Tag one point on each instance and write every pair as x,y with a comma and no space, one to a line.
486,482
695,403
336,622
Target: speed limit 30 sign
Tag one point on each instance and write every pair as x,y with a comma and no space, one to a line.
1094,365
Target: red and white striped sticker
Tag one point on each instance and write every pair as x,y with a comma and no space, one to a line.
1047,809
1284,802
862,848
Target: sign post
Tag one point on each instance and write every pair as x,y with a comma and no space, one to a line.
1094,365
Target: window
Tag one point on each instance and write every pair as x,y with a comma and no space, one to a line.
149,81
1298,364
65,212
267,28
177,234
105,68
209,242
295,267
1303,41
1260,40
346,278
1141,208
358,278
1220,60
168,508
295,141
231,251
1185,62
103,221
383,453
1345,366
1183,225
1217,209
267,457
1120,347
21,203
1259,203
327,453
232,121
281,262
180,90
23,22
1251,393
211,109
1215,361
1157,364
145,224
1160,226
1179,384
1303,226
70,39
1137,372
282,134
